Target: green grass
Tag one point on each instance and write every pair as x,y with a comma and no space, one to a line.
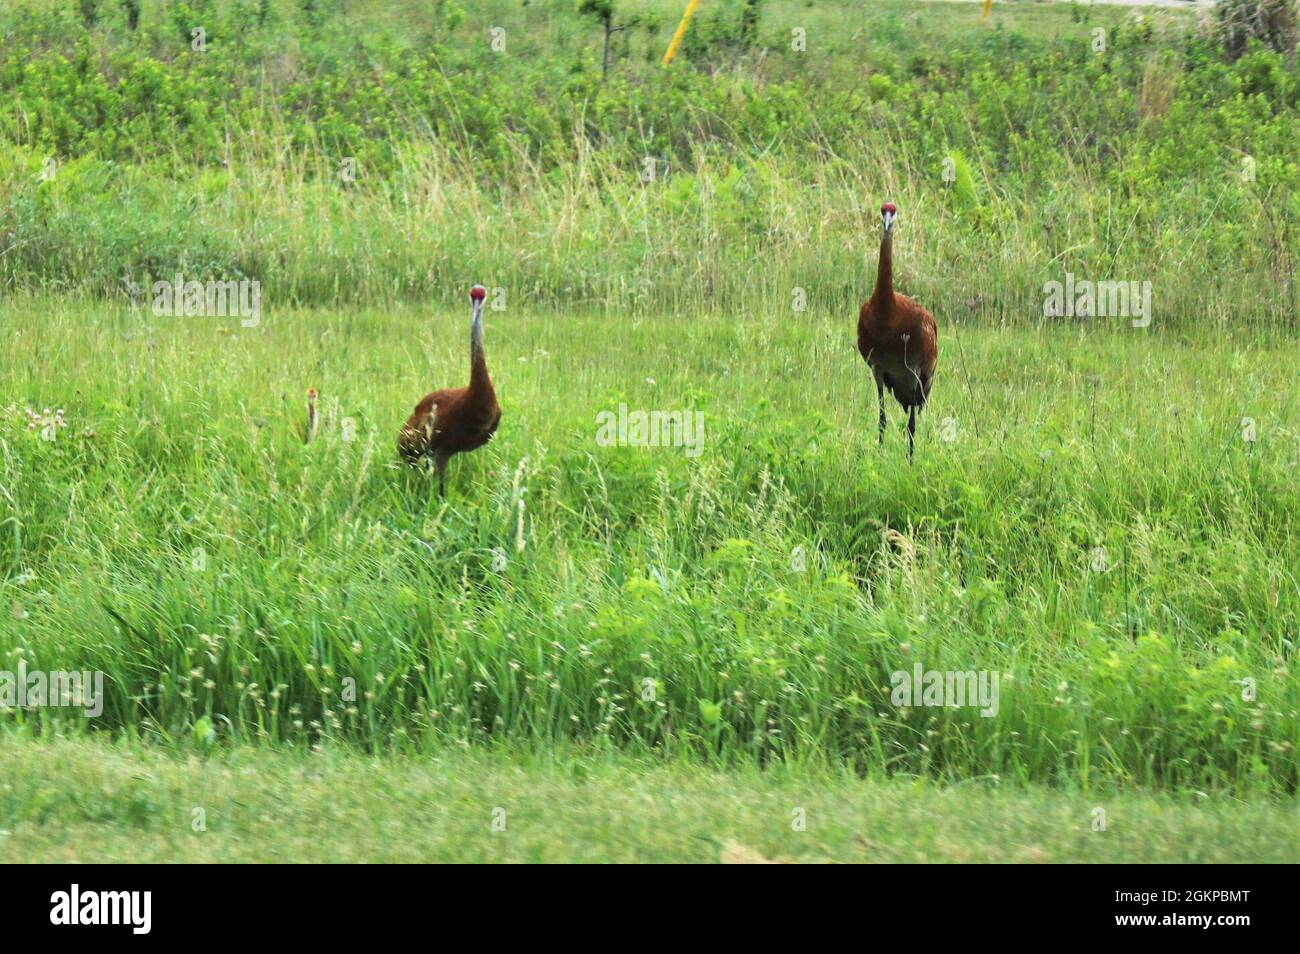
179,536
75,801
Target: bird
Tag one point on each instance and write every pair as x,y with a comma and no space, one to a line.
897,338
312,426
454,420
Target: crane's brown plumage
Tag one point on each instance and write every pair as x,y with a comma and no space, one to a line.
897,339
454,420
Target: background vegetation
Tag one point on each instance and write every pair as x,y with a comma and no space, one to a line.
1150,158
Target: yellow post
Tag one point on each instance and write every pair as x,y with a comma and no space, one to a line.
988,6
681,31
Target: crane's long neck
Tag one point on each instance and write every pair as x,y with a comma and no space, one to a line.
885,270
313,422
478,372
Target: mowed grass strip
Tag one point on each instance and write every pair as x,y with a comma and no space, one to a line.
69,800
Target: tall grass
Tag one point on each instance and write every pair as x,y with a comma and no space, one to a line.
178,536
725,236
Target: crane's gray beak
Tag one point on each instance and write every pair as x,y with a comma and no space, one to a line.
888,218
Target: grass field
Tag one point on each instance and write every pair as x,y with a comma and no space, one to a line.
1101,519
68,800
178,535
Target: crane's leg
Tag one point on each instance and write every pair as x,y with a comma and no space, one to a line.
880,399
440,462
911,431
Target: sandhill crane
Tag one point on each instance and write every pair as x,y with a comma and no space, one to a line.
312,425
897,338
454,420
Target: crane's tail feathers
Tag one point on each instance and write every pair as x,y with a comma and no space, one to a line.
912,392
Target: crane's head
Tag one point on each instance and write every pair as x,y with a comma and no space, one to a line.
476,302
311,395
888,212
476,296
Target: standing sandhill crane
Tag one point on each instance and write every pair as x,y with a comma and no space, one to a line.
312,426
453,420
897,338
